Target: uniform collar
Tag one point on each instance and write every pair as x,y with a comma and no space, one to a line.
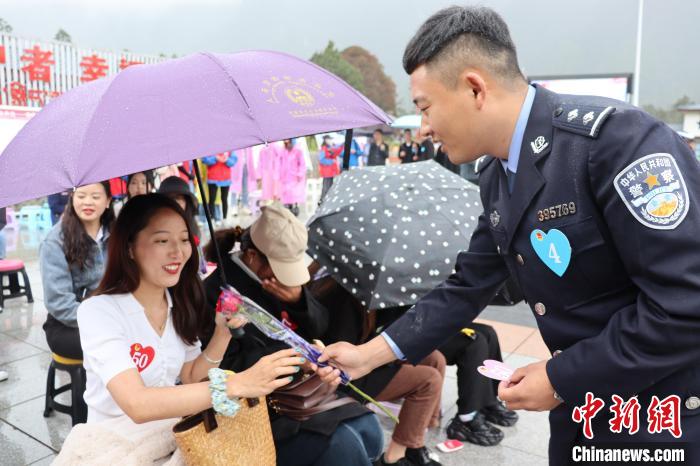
536,146
516,141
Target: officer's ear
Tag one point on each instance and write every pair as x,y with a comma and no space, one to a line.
477,85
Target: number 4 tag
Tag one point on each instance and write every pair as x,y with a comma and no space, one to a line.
553,249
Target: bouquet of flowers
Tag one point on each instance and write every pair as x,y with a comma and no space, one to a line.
231,303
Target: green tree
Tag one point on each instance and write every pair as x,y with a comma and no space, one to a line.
5,26
379,87
63,36
331,60
670,115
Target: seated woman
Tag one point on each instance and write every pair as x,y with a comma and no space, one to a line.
139,331
420,386
72,261
267,265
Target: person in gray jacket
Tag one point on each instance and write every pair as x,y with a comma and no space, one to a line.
72,262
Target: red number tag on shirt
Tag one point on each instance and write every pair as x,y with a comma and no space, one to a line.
142,356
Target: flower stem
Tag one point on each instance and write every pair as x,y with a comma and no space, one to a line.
374,402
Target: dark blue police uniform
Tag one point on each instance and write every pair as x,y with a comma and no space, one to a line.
620,308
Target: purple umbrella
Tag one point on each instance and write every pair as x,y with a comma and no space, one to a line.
149,116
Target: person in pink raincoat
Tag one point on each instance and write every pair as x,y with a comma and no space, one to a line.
244,177
292,176
270,172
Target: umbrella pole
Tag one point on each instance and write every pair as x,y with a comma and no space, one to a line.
346,151
238,332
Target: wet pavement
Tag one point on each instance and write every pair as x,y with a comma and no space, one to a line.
26,437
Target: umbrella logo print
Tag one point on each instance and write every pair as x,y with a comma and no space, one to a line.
300,96
297,91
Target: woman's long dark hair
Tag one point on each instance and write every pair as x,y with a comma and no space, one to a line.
122,273
77,244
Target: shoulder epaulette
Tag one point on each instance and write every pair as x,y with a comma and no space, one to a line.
585,120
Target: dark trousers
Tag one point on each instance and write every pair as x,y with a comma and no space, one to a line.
474,391
327,183
224,199
62,339
355,442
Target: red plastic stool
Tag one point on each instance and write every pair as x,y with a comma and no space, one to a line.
11,269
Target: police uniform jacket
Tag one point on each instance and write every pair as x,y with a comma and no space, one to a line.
624,316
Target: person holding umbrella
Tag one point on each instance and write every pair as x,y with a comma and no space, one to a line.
140,329
611,279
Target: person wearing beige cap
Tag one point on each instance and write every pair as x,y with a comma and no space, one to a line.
266,264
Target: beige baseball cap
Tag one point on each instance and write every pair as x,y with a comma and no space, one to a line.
283,239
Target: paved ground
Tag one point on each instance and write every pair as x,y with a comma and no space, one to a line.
26,437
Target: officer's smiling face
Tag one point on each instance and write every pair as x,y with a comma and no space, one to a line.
453,116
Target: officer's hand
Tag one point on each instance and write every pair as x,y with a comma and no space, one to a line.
529,388
346,356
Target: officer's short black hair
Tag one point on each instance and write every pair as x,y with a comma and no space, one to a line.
457,37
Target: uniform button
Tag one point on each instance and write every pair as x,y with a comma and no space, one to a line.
558,111
556,353
540,309
692,403
520,259
498,249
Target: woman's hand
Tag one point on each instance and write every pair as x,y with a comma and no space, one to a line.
223,322
268,374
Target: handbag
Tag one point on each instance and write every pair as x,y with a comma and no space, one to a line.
306,397
210,439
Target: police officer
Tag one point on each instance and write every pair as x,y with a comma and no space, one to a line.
591,205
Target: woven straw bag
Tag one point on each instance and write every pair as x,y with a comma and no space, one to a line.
209,439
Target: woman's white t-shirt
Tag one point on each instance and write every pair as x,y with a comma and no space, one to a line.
116,336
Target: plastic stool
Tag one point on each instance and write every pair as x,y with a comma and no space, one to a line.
74,367
12,268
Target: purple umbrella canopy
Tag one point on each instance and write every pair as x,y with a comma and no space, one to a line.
149,116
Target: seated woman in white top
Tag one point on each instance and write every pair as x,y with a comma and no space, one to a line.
139,331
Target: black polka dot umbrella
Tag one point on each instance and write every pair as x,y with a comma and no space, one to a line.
391,234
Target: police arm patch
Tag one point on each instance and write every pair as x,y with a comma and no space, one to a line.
654,191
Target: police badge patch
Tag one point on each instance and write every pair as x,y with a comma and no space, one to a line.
654,191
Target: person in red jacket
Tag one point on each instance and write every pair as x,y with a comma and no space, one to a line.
219,177
328,165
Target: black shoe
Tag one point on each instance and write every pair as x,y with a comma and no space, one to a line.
476,431
420,457
402,462
498,414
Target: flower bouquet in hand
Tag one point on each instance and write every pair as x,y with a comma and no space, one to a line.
233,304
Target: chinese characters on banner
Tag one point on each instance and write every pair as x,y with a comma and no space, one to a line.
32,73
661,415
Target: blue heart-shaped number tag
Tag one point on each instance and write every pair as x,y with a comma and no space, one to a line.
553,249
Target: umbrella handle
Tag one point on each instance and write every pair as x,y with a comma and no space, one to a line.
236,333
